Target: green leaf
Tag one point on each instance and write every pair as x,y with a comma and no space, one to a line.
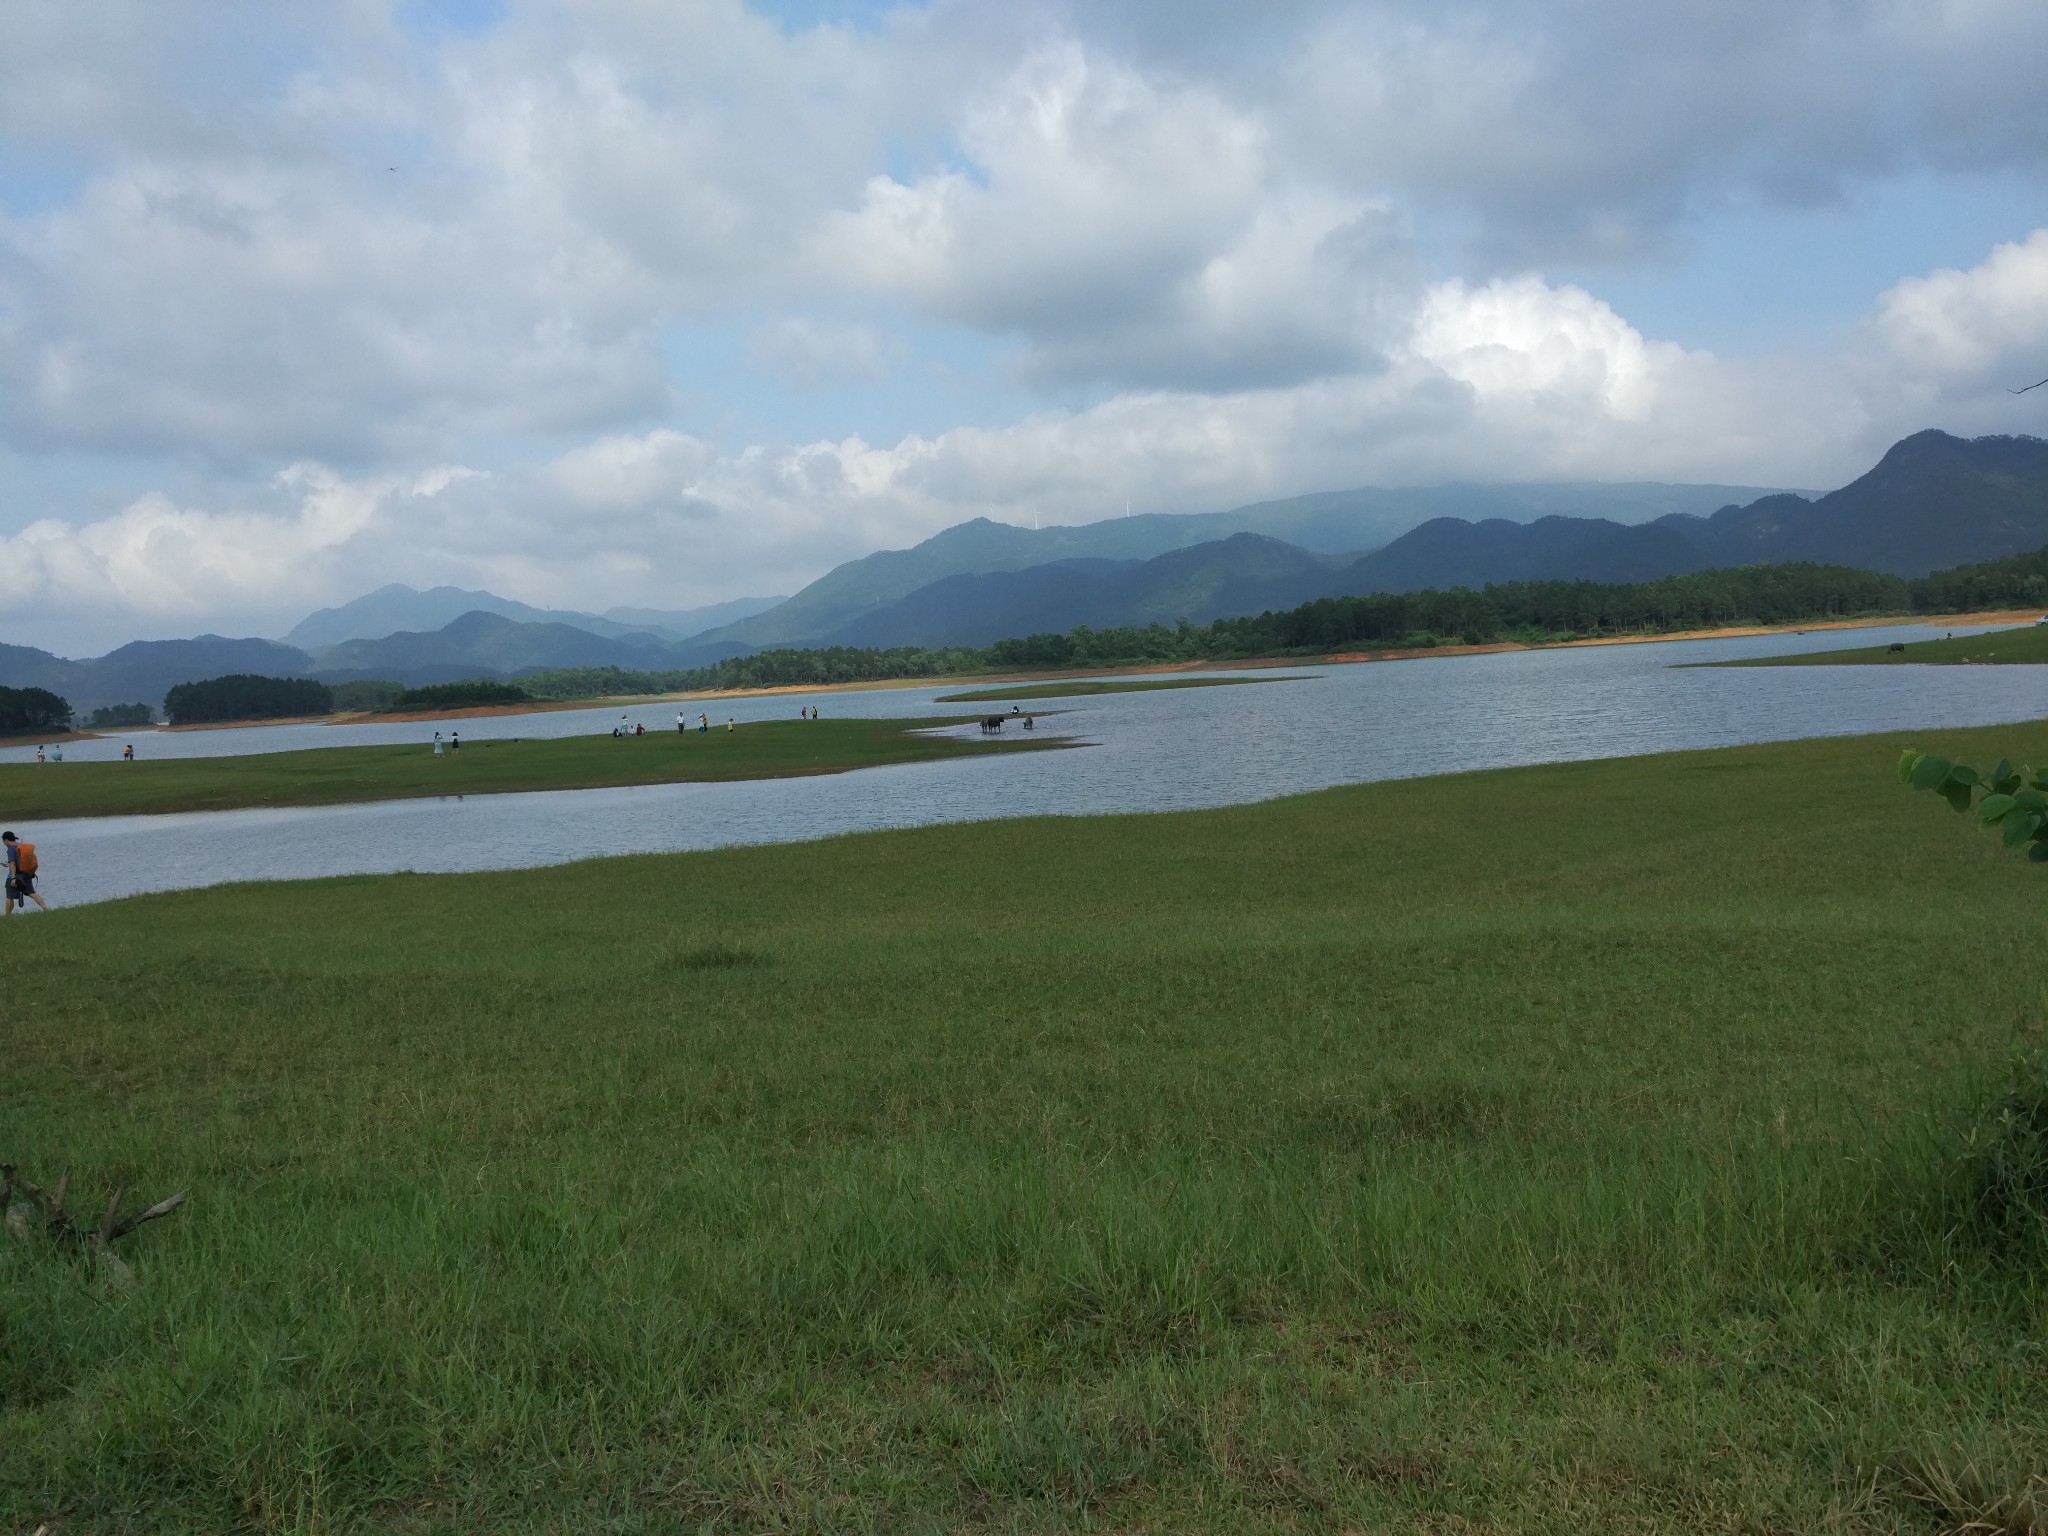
1957,796
1991,807
2032,799
2038,854
1908,761
2003,770
1961,774
2021,825
1930,772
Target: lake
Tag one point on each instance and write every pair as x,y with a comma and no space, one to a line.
1175,749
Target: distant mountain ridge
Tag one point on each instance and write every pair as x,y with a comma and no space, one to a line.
1244,573
480,643
1326,522
398,608
1933,501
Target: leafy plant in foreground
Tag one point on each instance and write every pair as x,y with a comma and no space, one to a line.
2005,1160
2015,800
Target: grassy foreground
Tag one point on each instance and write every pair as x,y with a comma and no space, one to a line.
1076,687
1559,1149
762,749
2027,645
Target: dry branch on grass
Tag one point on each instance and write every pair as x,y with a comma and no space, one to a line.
95,1242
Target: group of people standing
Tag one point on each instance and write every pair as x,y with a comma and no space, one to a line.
703,724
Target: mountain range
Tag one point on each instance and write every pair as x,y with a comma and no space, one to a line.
395,608
1931,502
1327,522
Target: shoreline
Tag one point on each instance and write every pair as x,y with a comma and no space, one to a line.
1140,669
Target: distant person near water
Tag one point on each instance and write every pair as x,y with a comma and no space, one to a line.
22,866
455,741
728,722
57,753
703,724
128,752
437,743
39,755
682,723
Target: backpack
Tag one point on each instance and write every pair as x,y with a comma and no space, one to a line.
25,858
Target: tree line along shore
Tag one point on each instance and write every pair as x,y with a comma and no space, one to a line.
1518,612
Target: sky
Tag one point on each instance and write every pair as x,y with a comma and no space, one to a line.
664,302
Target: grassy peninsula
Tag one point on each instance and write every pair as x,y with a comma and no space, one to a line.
1081,687
2026,646
1560,1149
762,749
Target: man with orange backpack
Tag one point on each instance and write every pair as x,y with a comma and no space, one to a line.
21,874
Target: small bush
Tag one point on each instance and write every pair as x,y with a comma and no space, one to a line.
2005,1167
367,693
462,695
114,716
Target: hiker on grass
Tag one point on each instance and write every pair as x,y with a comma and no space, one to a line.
682,723
21,874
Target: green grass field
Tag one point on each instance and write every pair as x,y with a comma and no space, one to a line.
1561,1149
1073,687
2028,645
763,749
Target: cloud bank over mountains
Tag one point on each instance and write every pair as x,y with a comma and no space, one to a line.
576,304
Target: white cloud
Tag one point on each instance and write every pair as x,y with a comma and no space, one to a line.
1973,325
1510,379
1284,247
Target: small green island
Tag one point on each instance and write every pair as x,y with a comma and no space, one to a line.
762,749
1081,687
2025,646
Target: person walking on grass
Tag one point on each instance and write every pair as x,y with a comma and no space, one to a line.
728,724
128,752
703,725
21,874
682,723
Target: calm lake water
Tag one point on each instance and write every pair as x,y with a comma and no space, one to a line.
1171,750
